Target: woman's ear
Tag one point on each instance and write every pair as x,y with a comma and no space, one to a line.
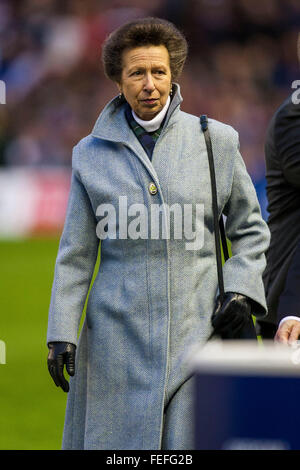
119,87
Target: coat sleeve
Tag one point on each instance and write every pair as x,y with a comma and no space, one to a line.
289,301
287,142
249,236
75,264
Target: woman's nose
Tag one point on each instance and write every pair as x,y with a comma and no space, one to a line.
149,83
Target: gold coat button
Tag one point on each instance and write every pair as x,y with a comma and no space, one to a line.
152,189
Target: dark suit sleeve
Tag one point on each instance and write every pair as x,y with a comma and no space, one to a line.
289,302
287,142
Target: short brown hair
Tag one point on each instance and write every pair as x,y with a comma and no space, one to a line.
144,32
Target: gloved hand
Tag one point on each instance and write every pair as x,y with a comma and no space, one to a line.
233,319
61,354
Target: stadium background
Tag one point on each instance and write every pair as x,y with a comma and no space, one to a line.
241,65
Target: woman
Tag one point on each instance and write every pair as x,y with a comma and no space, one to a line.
141,185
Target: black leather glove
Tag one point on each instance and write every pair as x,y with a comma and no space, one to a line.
61,354
233,319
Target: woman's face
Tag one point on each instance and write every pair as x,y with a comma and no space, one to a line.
146,79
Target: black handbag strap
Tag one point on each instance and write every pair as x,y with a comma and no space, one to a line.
219,228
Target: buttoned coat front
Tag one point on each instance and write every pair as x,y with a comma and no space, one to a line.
153,297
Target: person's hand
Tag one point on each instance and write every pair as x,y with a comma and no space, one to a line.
233,319
61,354
288,332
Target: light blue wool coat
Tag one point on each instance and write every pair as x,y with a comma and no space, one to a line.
152,298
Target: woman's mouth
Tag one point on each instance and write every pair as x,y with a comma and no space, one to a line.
150,100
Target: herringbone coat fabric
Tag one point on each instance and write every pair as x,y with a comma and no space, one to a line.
152,298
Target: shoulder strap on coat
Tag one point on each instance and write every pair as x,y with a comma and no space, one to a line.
219,228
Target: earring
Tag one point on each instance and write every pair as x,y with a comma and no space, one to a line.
171,92
120,95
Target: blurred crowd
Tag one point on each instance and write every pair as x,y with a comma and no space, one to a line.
241,65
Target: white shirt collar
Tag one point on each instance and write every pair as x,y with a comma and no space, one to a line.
154,124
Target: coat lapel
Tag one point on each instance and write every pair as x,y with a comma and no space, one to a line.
112,125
